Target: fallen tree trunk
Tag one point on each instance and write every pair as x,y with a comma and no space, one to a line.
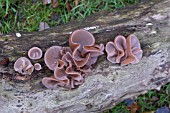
108,84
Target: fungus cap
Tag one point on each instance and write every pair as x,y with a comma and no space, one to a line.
116,50
53,83
35,53
81,38
23,66
134,51
51,56
37,66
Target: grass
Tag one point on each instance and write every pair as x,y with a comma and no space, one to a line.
148,102
120,108
24,15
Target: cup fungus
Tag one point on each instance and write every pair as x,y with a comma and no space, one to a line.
37,66
134,52
23,66
52,82
85,51
51,56
35,53
66,74
124,51
71,65
116,49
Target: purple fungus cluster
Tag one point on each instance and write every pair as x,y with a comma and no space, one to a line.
71,65
124,51
24,66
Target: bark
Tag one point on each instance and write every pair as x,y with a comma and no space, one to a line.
108,84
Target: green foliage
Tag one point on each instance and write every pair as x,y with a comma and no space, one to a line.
24,15
148,102
120,108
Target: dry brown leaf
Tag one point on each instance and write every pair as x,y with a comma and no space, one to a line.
134,108
68,6
55,3
149,112
4,62
76,2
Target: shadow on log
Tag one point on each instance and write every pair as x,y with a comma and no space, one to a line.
108,84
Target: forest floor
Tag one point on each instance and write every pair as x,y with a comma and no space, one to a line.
26,15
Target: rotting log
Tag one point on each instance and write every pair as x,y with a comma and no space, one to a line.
108,84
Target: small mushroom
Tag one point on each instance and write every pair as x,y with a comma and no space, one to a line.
37,66
23,66
51,56
35,53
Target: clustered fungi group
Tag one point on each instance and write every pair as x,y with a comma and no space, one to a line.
124,51
24,66
71,65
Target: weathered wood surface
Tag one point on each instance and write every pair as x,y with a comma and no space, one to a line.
108,84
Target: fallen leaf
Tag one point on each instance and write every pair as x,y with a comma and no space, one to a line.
163,110
43,25
154,98
76,2
55,3
128,102
134,108
46,1
0,24
4,62
34,1
149,112
68,6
